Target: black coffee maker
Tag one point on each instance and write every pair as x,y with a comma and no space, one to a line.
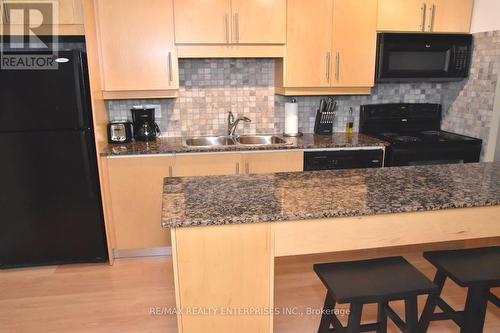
145,128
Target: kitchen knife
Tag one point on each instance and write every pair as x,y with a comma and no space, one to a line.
322,105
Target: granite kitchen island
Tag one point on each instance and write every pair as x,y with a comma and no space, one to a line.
227,230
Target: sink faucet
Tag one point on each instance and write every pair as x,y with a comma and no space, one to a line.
232,123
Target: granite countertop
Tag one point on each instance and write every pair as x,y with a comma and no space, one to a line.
164,145
193,201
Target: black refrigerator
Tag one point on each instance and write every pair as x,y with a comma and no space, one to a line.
50,203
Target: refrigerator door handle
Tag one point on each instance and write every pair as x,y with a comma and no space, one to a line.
81,89
86,139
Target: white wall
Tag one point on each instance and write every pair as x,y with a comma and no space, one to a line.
486,16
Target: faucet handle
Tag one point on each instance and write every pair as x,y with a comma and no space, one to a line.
230,117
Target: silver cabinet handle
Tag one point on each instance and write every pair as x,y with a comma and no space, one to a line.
237,168
226,22
6,12
327,66
170,172
237,27
424,13
433,15
337,66
170,74
247,167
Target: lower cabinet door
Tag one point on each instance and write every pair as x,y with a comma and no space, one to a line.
274,162
135,192
211,164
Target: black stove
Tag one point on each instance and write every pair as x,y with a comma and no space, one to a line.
413,130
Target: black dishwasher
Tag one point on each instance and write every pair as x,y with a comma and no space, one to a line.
343,159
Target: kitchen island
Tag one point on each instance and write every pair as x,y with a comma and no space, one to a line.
227,230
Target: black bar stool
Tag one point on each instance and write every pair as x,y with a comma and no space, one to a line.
476,269
372,281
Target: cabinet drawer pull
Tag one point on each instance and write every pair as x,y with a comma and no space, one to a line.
170,173
226,24
237,168
247,167
424,13
337,65
170,74
433,15
327,67
237,27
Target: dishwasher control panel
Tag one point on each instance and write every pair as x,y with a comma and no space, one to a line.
343,159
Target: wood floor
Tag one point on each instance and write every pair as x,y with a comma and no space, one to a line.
101,298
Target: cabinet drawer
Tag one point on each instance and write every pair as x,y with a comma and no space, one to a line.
274,162
207,165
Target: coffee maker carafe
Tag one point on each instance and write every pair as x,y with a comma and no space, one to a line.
145,128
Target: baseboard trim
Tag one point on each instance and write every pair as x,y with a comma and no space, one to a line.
150,252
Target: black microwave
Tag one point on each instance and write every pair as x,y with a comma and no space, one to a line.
416,57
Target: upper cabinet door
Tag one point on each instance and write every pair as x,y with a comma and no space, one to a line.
449,15
353,63
401,15
202,21
69,11
259,22
309,43
137,44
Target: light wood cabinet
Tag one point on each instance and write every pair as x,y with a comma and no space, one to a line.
139,57
135,186
135,192
353,63
202,22
330,48
425,15
450,15
230,22
401,15
69,17
273,162
259,22
309,43
207,165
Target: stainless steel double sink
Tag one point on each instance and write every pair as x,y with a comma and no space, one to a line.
245,140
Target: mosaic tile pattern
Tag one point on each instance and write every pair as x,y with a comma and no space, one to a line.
209,88
192,201
382,93
471,101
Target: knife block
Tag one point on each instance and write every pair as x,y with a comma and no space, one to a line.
323,124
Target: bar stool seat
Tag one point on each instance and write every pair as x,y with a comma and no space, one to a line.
469,267
475,269
372,281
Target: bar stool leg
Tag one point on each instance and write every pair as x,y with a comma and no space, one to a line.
411,315
354,322
475,310
382,318
430,305
326,317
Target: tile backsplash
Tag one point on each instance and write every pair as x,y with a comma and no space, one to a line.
470,102
209,88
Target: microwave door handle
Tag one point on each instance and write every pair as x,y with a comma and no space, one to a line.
424,13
